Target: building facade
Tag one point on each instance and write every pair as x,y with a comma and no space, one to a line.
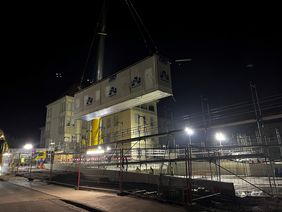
62,132
132,123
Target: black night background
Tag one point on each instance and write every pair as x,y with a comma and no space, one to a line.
229,45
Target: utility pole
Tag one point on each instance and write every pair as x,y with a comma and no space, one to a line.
260,126
278,140
206,119
257,110
188,174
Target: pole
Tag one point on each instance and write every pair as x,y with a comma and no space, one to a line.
30,165
139,150
206,121
190,164
19,161
188,176
121,173
278,139
219,171
190,143
144,120
78,172
51,166
78,166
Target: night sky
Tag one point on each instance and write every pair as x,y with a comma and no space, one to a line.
42,40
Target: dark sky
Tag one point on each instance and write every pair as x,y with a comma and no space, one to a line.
43,39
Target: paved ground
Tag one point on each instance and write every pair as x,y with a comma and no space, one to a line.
17,194
15,198
95,199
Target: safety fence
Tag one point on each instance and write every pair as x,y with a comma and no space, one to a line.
174,174
248,168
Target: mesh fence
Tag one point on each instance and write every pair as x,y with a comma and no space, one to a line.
251,171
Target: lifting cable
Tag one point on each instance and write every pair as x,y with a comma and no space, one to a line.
138,22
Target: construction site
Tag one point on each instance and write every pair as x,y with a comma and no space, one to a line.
109,136
217,154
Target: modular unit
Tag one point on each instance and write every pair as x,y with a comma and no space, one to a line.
146,81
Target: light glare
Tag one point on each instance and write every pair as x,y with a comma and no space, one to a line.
220,136
189,131
95,151
28,146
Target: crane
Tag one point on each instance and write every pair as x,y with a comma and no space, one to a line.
95,134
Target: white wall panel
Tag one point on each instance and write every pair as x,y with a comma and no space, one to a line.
143,82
